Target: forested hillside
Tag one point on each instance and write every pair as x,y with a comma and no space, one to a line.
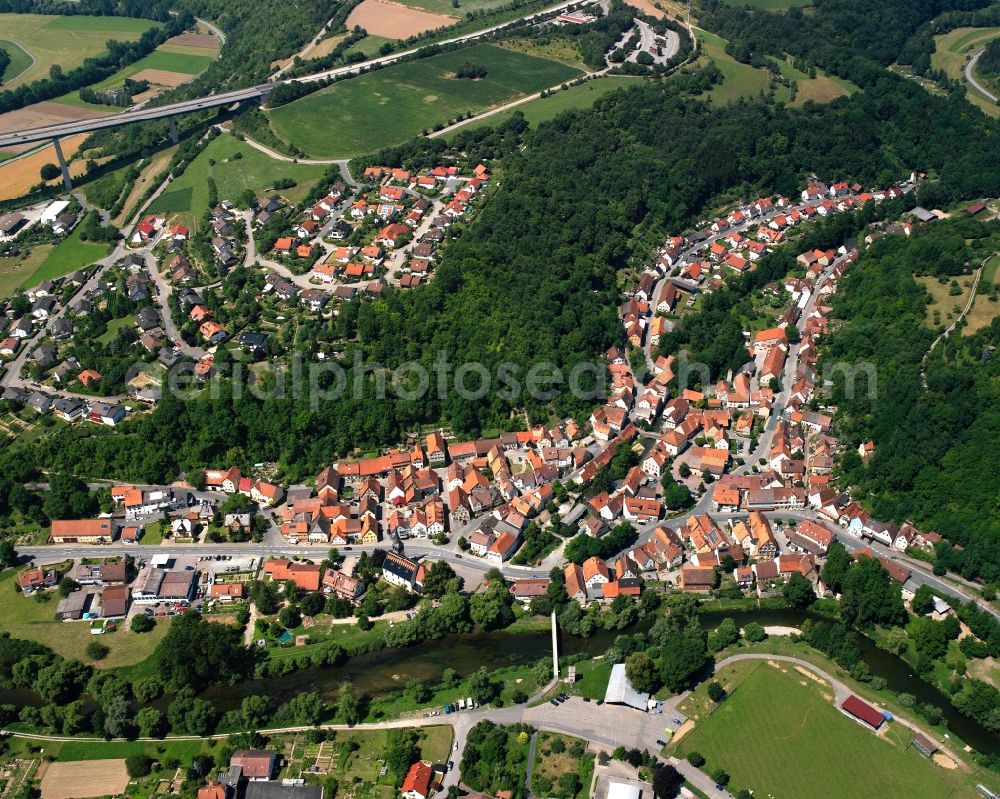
937,451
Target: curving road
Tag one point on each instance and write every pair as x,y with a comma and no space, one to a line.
29,135
970,69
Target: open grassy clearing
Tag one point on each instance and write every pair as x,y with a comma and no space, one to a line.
984,309
739,80
390,106
64,40
69,254
951,52
945,307
32,618
562,49
792,742
821,89
542,109
20,60
18,270
238,167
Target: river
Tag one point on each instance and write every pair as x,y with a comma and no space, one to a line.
378,672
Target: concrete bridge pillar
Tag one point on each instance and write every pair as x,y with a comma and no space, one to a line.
173,130
67,181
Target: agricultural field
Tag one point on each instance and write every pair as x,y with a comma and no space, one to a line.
770,5
168,66
237,167
389,106
33,619
951,52
63,40
542,109
18,176
794,743
75,780
395,20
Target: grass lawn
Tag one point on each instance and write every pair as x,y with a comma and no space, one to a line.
33,619
591,679
739,80
14,272
769,5
951,52
63,40
152,534
794,743
20,60
113,327
188,195
556,755
543,109
164,57
106,750
69,254
389,106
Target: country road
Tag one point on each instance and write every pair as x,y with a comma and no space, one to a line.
970,69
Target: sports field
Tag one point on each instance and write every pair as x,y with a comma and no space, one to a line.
187,196
543,109
389,106
777,736
63,40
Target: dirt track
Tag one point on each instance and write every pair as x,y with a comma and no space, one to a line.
394,21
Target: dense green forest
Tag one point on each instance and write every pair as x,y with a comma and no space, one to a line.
989,61
832,35
936,450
